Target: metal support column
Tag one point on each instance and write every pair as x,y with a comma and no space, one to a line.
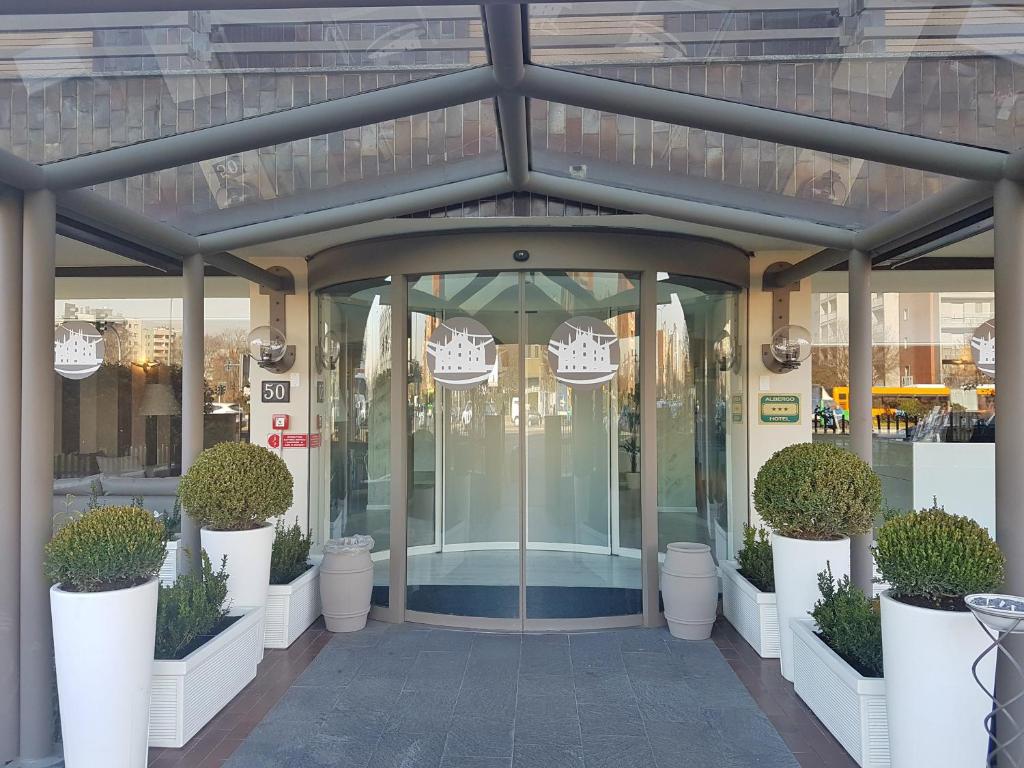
400,459
859,275
10,475
649,446
1009,288
37,425
192,399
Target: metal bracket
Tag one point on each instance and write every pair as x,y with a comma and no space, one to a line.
780,312
277,318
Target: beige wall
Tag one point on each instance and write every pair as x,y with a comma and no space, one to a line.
764,440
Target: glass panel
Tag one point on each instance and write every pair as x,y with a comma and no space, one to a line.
464,474
697,324
322,172
931,69
718,168
356,418
582,445
71,84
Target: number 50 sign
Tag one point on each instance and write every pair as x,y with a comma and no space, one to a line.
276,391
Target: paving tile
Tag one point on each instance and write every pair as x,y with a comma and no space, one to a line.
547,756
666,701
354,725
303,703
750,734
310,752
618,752
550,704
400,750
545,685
422,712
646,665
532,728
471,761
497,704
620,718
369,694
479,737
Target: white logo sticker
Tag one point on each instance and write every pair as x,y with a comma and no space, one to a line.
584,352
983,347
461,353
77,350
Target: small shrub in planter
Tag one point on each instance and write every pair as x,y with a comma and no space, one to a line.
818,492
814,496
850,624
191,609
232,490
289,558
755,559
106,548
236,487
103,608
932,560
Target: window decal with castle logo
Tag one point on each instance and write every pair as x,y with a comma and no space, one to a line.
77,350
983,347
461,353
584,352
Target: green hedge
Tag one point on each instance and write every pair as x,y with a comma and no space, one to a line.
289,558
817,491
755,559
236,487
189,609
106,548
850,623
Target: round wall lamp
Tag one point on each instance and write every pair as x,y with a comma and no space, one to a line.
268,344
725,352
330,349
789,347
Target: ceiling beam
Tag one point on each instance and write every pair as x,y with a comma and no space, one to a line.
505,33
690,211
755,122
270,129
358,213
19,173
120,6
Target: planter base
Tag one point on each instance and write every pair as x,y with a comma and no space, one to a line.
291,608
751,612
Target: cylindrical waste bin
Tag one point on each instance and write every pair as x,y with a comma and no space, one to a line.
346,583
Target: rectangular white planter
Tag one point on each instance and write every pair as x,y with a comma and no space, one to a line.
291,608
186,694
169,570
851,706
751,611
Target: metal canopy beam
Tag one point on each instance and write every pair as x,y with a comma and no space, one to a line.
951,203
505,35
118,6
360,213
692,212
270,129
756,122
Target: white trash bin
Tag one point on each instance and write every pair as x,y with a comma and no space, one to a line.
346,583
689,587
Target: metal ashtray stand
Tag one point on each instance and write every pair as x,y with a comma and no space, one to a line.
1000,616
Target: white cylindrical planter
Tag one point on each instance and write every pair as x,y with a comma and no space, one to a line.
797,563
346,583
248,567
689,587
103,649
935,707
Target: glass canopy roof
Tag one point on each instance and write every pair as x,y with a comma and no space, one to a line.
81,90
946,70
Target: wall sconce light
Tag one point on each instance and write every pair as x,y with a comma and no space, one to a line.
329,349
725,352
268,344
790,344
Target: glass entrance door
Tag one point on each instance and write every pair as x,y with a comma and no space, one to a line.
524,500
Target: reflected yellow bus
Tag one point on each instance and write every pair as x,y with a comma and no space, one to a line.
884,399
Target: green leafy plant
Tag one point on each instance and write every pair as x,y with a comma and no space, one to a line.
631,445
817,491
289,558
106,548
190,609
236,487
755,559
849,623
172,519
934,559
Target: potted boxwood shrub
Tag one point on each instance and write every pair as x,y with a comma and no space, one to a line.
293,602
814,496
205,654
103,566
837,669
932,560
748,593
232,490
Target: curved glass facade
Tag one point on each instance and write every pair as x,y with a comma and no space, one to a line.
524,417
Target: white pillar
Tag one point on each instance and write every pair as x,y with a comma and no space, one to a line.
192,389
1009,290
861,379
37,425
10,476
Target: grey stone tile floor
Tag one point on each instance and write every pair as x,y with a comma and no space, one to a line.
404,696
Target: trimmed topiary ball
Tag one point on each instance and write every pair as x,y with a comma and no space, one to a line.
817,491
934,559
236,487
107,548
